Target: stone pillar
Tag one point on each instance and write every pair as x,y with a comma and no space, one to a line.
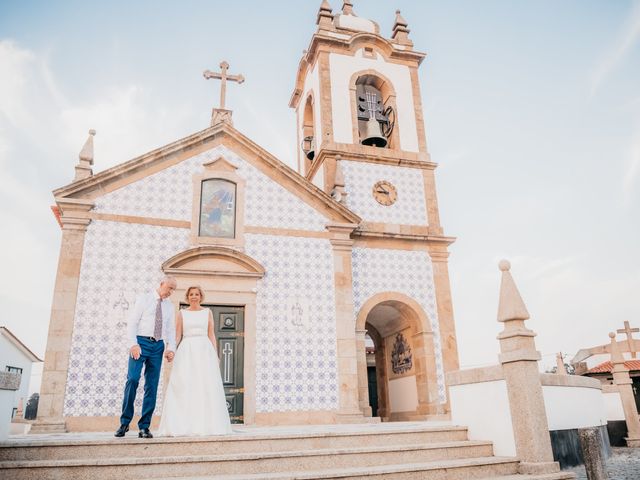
56,360
519,360
448,340
426,375
592,454
349,406
622,379
363,376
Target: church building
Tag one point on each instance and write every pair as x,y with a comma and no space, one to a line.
300,267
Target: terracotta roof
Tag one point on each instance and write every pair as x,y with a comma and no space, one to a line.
606,367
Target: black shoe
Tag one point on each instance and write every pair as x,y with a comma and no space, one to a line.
122,430
144,433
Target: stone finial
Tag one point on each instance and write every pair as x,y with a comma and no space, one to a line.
510,306
83,168
325,16
616,356
400,31
560,368
347,7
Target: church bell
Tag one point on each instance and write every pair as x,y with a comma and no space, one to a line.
372,135
309,146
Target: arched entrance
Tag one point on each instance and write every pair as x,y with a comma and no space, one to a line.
405,374
229,281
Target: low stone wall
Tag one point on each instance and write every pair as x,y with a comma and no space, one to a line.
479,400
572,403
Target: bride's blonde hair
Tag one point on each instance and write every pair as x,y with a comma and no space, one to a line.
194,287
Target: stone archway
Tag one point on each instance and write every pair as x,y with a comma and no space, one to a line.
405,358
227,277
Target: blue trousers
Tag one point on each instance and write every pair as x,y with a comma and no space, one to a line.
151,359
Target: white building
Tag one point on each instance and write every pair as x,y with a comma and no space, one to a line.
16,357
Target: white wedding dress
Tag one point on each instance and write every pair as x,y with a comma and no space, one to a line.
195,403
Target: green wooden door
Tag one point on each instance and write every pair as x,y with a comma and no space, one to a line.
229,329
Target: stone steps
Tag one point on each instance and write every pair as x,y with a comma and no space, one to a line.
265,462
392,472
404,451
242,442
458,469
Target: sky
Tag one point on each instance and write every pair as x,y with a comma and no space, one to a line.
532,111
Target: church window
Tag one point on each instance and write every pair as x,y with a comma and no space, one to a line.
217,208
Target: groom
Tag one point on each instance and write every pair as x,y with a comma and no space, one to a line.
150,325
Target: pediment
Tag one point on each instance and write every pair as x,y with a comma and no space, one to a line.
213,261
90,188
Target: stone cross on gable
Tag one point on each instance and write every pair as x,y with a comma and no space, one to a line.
629,331
223,76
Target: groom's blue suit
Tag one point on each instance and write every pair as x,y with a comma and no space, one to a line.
140,331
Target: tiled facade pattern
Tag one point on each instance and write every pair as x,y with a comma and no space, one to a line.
168,194
120,260
296,329
378,270
409,208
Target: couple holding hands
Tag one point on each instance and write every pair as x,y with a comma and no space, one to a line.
194,403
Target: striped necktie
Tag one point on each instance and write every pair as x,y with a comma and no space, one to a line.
157,329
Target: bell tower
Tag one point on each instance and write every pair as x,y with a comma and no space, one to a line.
359,119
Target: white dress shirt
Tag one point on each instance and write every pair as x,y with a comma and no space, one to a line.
141,320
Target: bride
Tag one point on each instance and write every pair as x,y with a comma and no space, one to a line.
195,403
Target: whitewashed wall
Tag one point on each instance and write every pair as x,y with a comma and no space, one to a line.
613,406
342,68
11,356
574,407
484,409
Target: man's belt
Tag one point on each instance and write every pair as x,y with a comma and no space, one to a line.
152,339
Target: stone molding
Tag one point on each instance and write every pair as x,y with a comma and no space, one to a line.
555,380
179,264
492,373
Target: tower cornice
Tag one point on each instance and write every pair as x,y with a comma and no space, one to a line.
343,43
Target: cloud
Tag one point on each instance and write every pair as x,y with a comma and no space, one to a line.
14,64
42,129
627,37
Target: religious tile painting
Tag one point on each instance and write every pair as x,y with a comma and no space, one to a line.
217,208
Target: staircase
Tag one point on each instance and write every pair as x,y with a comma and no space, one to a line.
411,450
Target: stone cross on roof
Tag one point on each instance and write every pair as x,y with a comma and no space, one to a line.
223,77
629,331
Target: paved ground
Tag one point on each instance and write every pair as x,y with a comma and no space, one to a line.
624,464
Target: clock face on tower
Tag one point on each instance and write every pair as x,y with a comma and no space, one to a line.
385,193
